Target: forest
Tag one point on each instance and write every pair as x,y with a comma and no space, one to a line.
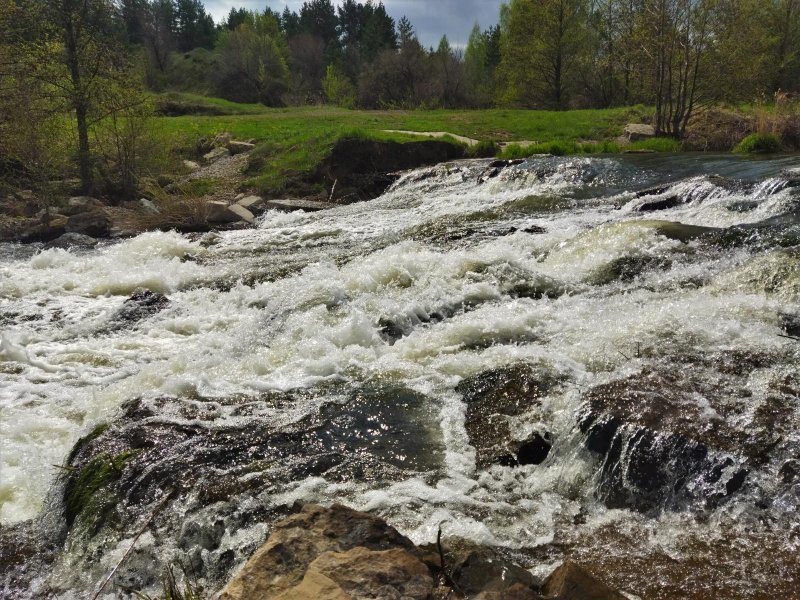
104,61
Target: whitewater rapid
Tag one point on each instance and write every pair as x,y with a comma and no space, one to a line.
476,276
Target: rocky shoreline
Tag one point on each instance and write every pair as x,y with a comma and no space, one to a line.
337,553
356,170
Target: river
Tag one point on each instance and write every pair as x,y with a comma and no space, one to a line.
353,335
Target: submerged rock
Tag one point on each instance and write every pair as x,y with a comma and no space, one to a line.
492,399
142,303
72,240
207,469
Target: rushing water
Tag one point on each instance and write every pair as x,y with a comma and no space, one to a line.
385,307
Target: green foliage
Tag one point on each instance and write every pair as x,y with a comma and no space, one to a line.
189,71
176,104
338,88
483,149
293,141
252,62
759,143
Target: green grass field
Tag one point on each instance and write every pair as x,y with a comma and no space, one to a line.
293,141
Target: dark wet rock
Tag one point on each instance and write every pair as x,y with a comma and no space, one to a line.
688,433
72,240
482,570
570,581
654,191
209,469
680,231
495,396
660,204
790,471
790,324
627,268
742,206
494,168
143,303
94,223
535,449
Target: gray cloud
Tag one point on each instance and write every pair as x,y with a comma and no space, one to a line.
431,18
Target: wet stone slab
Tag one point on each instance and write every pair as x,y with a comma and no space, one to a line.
204,467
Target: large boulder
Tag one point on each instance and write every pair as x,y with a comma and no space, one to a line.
217,212
686,433
295,543
363,574
95,223
243,214
81,204
639,131
142,303
255,204
72,240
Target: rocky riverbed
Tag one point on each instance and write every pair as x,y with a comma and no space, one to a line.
562,361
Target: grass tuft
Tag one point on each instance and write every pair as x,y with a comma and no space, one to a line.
759,143
81,492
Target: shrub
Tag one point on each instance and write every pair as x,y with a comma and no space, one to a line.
759,143
483,149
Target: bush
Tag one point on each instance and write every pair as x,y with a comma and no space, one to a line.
483,149
759,143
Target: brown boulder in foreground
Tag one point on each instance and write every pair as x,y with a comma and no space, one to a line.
340,554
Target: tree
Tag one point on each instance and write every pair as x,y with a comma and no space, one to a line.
784,20
318,19
679,34
252,62
29,119
79,55
477,69
378,32
543,43
338,88
194,28
450,70
236,17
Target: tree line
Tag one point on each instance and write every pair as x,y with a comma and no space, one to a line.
556,54
96,59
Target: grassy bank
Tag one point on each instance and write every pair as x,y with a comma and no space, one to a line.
293,141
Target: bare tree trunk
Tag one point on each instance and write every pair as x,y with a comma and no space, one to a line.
79,102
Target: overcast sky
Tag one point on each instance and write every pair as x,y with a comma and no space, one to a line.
431,18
